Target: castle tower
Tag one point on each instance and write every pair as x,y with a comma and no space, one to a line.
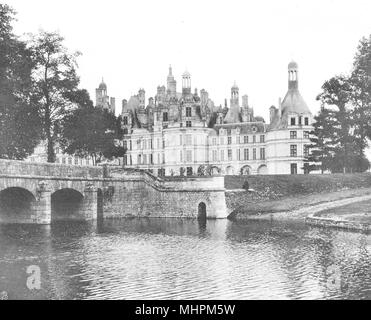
171,83
186,83
247,112
102,100
233,115
142,98
293,70
235,99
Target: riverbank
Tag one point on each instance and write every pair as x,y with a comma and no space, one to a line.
298,207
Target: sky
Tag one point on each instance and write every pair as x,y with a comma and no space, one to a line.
132,43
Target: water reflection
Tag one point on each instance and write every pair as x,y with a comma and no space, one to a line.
185,259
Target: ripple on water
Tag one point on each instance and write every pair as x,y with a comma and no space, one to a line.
177,259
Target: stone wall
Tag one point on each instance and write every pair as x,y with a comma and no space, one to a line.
22,168
125,193
141,195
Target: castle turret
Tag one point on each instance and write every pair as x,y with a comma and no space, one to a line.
171,83
186,83
102,100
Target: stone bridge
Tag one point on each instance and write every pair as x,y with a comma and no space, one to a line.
38,193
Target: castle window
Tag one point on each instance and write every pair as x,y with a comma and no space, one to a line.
293,150
246,154
125,160
188,112
189,156
165,117
306,134
306,151
151,158
188,140
254,139
229,140
238,154
144,159
215,157
293,121
125,131
229,132
293,135
300,120
181,156
306,121
229,155
125,121
69,160
131,146
262,139
214,141
246,139
262,153
254,154
76,161
222,155
188,124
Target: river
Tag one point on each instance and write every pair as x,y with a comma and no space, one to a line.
184,259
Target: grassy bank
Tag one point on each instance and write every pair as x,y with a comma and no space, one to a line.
285,194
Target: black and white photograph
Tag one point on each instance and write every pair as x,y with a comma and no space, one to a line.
201,153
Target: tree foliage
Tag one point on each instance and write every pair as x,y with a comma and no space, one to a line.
90,131
55,83
339,138
19,121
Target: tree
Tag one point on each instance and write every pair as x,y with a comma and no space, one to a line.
321,149
19,122
361,93
345,142
55,81
90,131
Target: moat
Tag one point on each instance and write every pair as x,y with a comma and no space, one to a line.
185,259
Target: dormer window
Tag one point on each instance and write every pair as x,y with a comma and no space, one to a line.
293,121
306,120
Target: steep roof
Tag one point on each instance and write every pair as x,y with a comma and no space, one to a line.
294,103
233,115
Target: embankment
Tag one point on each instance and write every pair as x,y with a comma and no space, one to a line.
283,194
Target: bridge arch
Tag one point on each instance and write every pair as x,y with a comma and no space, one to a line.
202,211
17,205
66,204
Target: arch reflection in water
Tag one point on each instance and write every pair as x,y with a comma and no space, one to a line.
16,205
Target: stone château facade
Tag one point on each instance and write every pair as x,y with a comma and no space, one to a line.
182,133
